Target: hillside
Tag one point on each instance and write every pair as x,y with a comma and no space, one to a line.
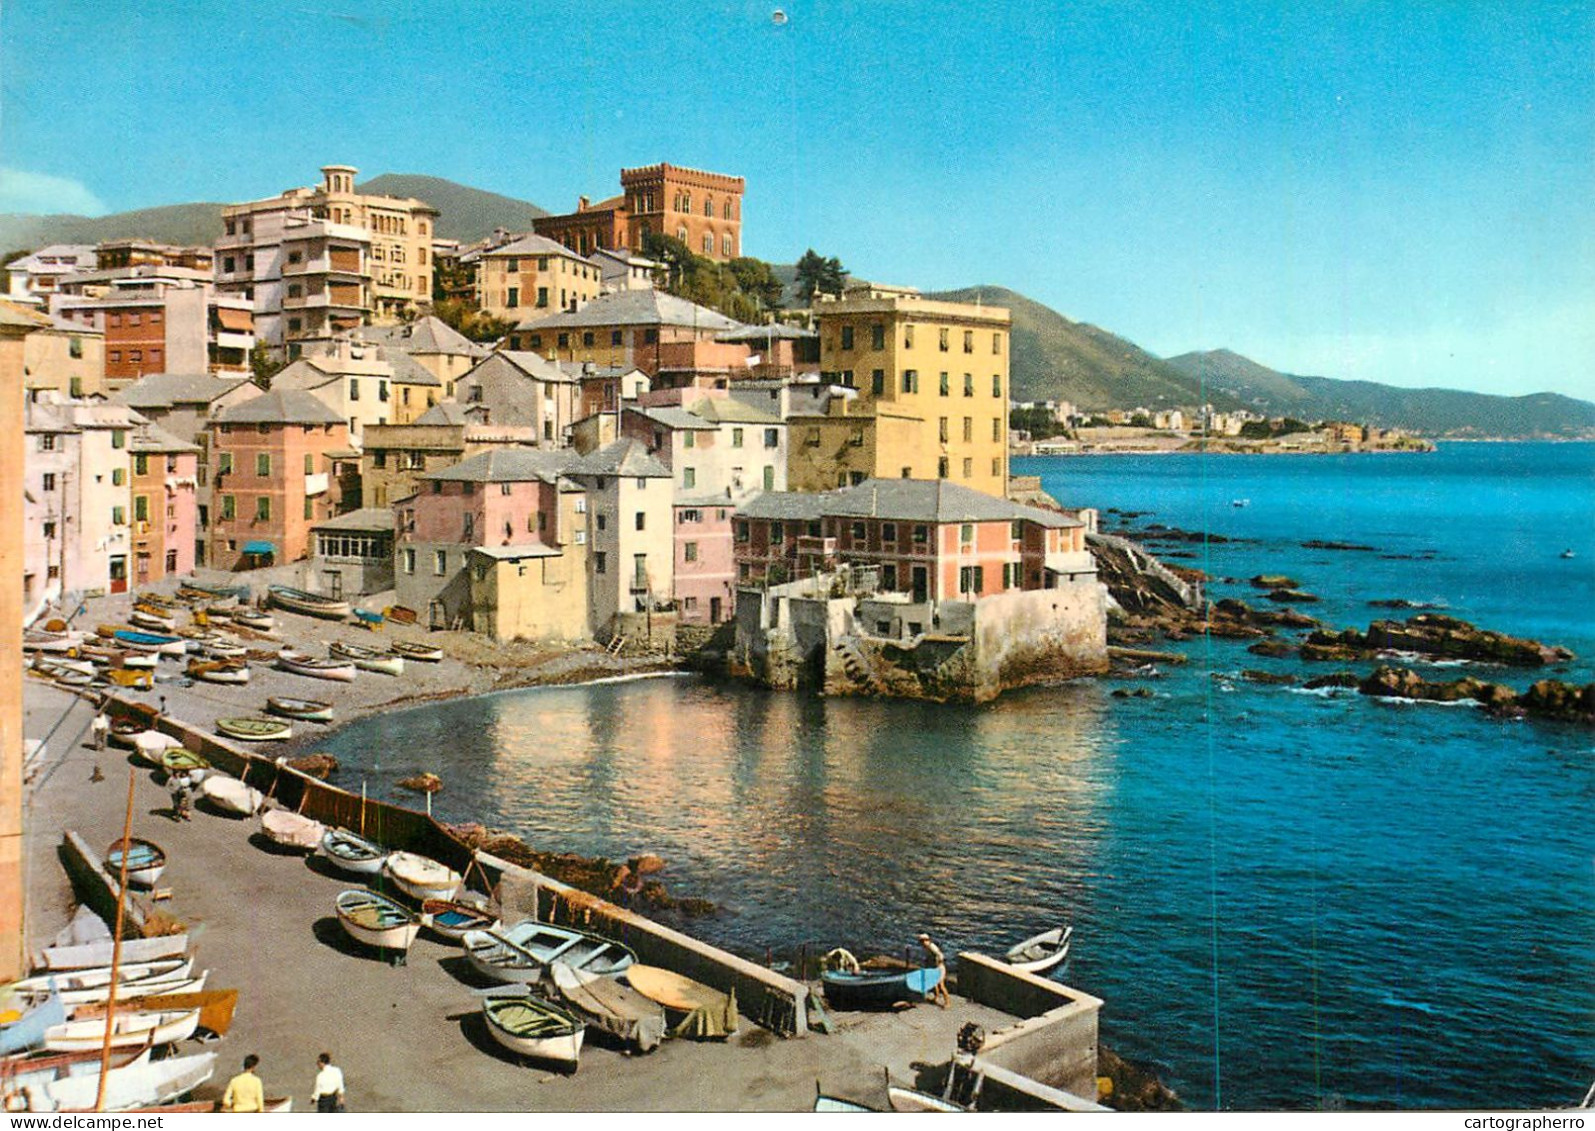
468,214
172,223
1056,359
1430,412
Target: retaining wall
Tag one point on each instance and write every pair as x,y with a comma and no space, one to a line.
1055,1040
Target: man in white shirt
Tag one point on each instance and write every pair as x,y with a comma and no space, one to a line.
328,1093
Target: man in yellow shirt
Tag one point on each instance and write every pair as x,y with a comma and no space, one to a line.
245,1091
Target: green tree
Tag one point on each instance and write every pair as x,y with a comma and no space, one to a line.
263,366
465,316
756,279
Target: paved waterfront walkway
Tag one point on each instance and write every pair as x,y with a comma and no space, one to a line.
408,1038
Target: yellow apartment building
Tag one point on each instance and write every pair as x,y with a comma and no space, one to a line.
533,277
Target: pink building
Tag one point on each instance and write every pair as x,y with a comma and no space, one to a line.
165,504
705,567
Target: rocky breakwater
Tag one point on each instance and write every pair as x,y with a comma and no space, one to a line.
1434,636
1546,699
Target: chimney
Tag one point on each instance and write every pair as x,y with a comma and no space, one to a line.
581,203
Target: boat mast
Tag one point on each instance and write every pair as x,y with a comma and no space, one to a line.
116,945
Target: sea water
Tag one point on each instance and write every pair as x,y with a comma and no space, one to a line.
1285,899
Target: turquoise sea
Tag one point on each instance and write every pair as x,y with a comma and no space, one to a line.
1286,900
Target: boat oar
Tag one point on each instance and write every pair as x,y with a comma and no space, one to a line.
512,945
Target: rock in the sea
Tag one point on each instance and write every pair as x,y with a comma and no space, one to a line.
1278,649
1553,699
1432,634
1274,678
1292,596
1407,684
1319,544
1333,679
422,783
1274,581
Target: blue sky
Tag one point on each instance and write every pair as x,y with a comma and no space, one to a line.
1393,192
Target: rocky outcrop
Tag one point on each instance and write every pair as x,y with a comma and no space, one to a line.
1553,699
1138,583
1231,609
1320,544
1274,581
1431,634
1334,679
1292,596
1548,699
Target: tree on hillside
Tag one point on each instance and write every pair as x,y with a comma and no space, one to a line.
675,259
819,275
756,279
263,366
745,289
464,315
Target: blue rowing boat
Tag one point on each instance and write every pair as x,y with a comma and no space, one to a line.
878,989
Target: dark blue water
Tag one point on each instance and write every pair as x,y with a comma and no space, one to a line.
1286,900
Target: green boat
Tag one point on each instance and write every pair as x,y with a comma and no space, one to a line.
254,729
180,761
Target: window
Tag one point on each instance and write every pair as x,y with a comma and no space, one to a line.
971,579
942,339
690,516
727,246
310,507
118,438
407,556
944,388
910,380
847,337
263,465
600,561
564,341
969,384
118,516
542,296
133,318
877,382
769,477
969,341
512,266
468,526
689,478
224,463
263,508
969,468
858,532
921,534
969,429
49,530
47,442
514,297
229,506
681,233
141,464
642,520
740,530
996,343
708,243
689,551
877,336
141,508
650,336
941,429
440,562
74,346
996,466
736,437
116,356
777,534
354,389
888,532
996,384
941,468
118,477
295,291
996,429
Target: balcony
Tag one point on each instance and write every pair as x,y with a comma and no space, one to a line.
823,547
322,300
316,484
327,265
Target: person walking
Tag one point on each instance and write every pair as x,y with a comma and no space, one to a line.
935,957
99,728
328,1092
181,786
245,1092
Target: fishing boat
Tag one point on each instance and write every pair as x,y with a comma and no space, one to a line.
220,613
76,987
378,921
150,745
249,728
410,650
308,604
219,671
209,593
113,658
93,955
176,760
878,989
611,1006
125,730
352,853
138,1083
450,919
216,1007
222,648
1040,953
150,641
305,710
146,860
27,1032
421,878
901,1098
63,663
709,1013
523,951
128,1030
303,663
147,617
231,795
534,1028
292,830
367,658
40,640
255,619
64,674
823,1102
